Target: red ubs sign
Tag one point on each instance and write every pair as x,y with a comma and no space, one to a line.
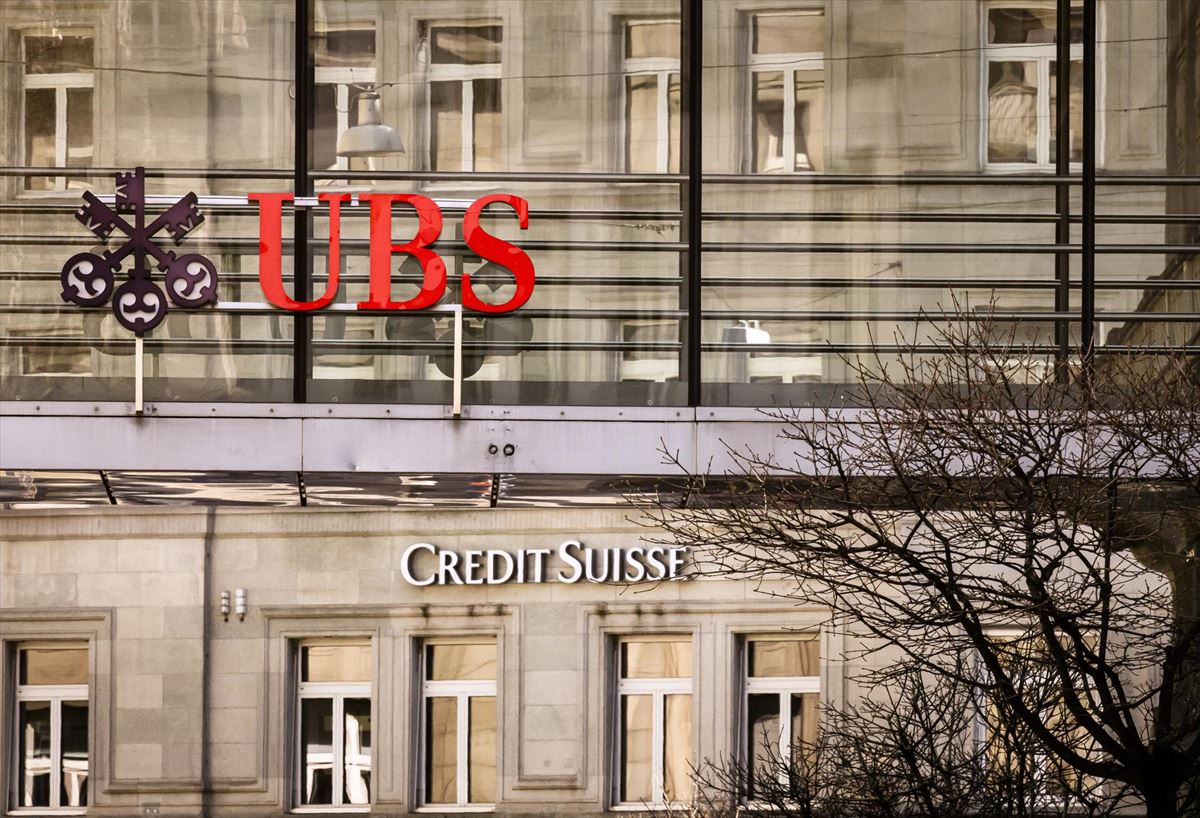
191,280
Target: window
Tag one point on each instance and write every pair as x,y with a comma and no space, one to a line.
51,744
464,124
650,67
458,724
660,362
783,694
345,63
654,721
57,105
334,725
787,92
1020,99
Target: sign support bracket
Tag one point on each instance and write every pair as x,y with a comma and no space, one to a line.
456,409
139,370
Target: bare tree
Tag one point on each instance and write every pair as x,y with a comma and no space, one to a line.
1003,545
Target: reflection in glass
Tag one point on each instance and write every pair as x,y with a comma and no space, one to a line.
316,750
357,755
762,715
641,123
54,666
466,45
1012,111
441,746
767,111
74,741
33,754
39,134
476,661
784,657
805,707
80,141
335,663
446,125
802,33
677,749
1075,136
481,751
656,660
637,748
1014,26
486,129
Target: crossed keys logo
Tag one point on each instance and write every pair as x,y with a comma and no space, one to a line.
139,303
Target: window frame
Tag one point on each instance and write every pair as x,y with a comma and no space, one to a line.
787,64
60,83
661,68
658,689
782,686
463,73
1042,54
462,690
337,692
55,695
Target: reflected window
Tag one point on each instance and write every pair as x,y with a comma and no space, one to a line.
654,721
783,694
51,769
650,70
345,65
57,113
462,62
650,350
333,724
458,731
1020,77
787,92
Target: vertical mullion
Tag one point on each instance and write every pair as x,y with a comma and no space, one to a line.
1088,260
662,158
789,120
658,740
468,125
785,734
462,782
55,753
1043,110
691,200
338,760
60,132
305,78
341,102
1062,189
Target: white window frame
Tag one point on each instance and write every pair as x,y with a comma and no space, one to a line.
463,73
782,686
1042,54
344,78
462,690
56,695
662,68
659,689
59,83
789,64
338,692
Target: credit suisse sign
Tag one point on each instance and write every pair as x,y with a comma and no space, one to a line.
191,280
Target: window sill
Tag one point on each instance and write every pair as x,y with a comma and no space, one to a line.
46,811
454,808
320,810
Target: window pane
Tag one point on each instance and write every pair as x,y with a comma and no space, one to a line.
441,750
39,135
352,47
74,754
487,125
637,748
789,33
481,751
357,754
54,666
445,124
325,126
80,144
469,45
762,739
656,660
641,123
1012,111
784,657
33,755
810,120
805,710
767,112
316,750
1029,25
1075,136
673,123
476,661
652,39
336,663
677,750
58,55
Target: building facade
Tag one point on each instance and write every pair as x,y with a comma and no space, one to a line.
391,566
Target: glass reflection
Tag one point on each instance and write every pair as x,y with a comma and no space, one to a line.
677,749
441,750
637,748
785,657
764,733
335,663
459,661
1012,112
54,666
33,754
74,739
481,751
357,754
805,708
316,750
656,660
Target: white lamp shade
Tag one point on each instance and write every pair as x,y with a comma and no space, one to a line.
370,137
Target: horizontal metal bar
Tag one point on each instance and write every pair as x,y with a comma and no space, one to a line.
880,216
154,173
248,243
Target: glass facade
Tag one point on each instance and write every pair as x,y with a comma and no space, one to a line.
730,200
